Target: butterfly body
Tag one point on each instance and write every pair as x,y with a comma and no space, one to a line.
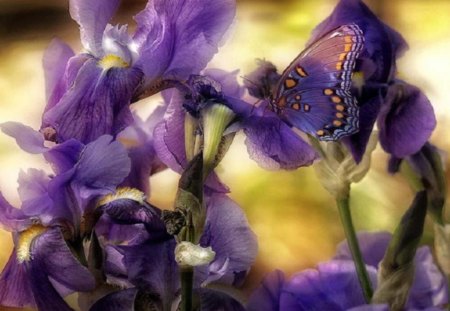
314,92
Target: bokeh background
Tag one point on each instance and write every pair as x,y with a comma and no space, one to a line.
295,220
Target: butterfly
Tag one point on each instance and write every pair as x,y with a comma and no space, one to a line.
314,92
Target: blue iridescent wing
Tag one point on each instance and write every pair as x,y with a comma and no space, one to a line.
314,92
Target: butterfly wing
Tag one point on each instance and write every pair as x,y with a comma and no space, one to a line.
314,93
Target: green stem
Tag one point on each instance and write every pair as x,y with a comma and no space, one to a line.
343,204
187,280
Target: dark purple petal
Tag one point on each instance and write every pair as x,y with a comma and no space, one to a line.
273,145
51,254
228,233
120,233
406,120
212,300
368,113
114,267
262,80
267,296
182,35
55,59
152,268
333,286
93,16
378,47
28,139
96,104
122,300
373,245
15,287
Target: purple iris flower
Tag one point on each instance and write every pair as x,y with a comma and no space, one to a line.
88,94
334,285
270,142
155,278
401,109
54,216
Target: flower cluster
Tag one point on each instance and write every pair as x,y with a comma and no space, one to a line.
88,227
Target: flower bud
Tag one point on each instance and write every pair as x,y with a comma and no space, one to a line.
192,255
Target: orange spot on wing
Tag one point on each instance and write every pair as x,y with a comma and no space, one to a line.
301,72
338,65
340,108
320,133
339,115
306,107
296,106
342,56
337,123
348,39
336,99
281,102
290,83
328,92
348,47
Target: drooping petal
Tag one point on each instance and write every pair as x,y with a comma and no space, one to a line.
114,267
52,255
273,145
333,286
96,104
182,35
55,59
93,16
267,296
228,233
28,139
152,267
15,287
406,120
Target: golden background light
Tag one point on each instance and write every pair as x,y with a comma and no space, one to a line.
294,218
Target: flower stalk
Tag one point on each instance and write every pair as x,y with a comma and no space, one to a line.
343,204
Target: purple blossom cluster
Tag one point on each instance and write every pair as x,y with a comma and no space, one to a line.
89,228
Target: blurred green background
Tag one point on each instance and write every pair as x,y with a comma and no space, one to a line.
294,218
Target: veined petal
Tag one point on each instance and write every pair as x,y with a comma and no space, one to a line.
273,145
157,273
15,287
182,35
228,233
28,139
52,255
54,62
93,16
103,164
96,104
